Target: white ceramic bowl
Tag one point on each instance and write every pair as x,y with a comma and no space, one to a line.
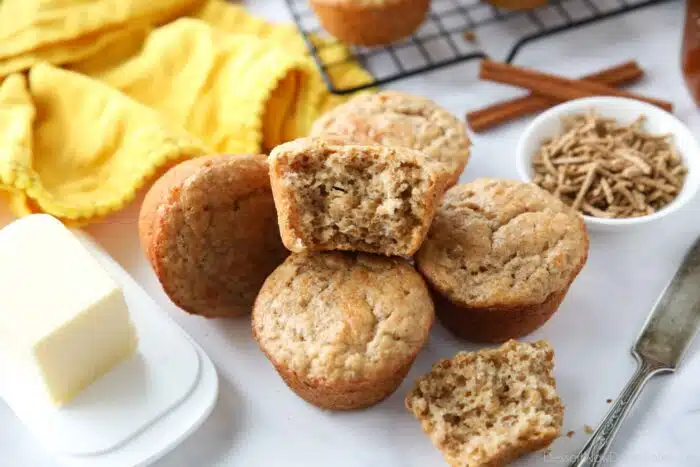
548,124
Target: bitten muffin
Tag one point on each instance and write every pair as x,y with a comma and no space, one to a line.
209,228
352,197
370,22
342,329
392,118
487,408
500,257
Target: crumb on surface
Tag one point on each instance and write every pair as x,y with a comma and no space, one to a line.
587,429
469,36
570,433
609,401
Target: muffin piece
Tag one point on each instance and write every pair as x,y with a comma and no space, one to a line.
209,228
398,119
342,329
352,197
370,22
500,257
487,408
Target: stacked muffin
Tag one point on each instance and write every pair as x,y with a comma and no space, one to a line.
343,317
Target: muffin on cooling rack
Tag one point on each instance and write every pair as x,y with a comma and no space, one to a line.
500,256
370,22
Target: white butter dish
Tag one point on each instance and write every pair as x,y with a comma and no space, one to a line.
138,411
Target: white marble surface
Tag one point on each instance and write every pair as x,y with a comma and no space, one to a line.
259,422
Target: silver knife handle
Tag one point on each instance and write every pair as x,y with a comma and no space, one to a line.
594,451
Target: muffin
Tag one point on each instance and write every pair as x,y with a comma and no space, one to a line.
398,119
342,329
208,227
487,408
500,257
370,22
335,196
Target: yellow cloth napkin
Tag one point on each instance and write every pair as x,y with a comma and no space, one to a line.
66,31
344,73
78,144
80,153
218,85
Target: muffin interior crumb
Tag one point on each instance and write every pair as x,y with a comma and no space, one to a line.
357,201
490,406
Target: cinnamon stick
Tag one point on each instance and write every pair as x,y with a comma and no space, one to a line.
502,112
553,86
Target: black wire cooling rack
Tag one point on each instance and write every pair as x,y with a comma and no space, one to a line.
455,31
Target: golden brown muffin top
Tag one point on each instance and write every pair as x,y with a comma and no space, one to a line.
342,317
215,237
502,243
394,118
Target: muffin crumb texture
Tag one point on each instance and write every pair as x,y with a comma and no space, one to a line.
490,407
353,198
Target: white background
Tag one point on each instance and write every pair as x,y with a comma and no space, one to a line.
259,422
